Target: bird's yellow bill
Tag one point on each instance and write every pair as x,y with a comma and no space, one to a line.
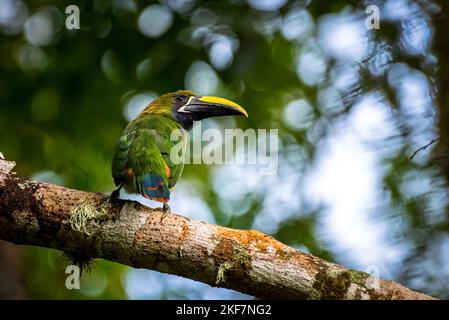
222,101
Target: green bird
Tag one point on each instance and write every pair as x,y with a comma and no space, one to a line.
142,162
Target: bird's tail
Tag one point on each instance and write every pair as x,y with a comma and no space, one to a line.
154,187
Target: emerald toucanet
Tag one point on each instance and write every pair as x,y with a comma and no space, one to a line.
142,162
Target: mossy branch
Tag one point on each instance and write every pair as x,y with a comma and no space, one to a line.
89,225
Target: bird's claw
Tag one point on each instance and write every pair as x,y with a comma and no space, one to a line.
115,195
165,211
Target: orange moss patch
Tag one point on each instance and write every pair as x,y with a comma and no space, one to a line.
185,232
257,241
231,258
254,238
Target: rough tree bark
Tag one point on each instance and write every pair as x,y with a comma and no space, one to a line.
248,261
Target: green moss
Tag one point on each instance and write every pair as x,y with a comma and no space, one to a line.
236,257
221,277
22,186
332,283
242,257
283,255
358,277
81,215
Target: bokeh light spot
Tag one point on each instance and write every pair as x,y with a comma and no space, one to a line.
201,78
298,114
297,24
267,5
47,177
137,103
13,14
40,29
155,20
31,58
221,53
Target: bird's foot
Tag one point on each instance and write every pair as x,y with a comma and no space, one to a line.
114,196
165,211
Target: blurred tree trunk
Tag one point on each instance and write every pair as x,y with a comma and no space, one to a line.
441,47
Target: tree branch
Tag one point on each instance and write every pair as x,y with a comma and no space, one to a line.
424,147
248,261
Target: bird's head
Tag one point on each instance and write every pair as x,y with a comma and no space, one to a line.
186,106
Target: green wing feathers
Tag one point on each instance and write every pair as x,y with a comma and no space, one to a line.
120,160
142,158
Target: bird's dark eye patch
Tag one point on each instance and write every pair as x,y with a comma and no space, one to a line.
180,98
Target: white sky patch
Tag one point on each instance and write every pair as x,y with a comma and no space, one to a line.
310,63
298,114
228,183
343,37
147,284
413,89
346,180
416,35
371,119
397,9
414,94
233,185
297,24
345,77
330,100
236,184
184,199
280,193
281,202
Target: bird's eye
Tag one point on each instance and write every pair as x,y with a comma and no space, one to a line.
180,98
